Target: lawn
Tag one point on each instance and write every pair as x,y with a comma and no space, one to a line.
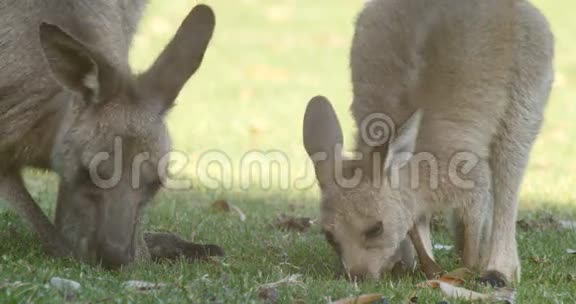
267,59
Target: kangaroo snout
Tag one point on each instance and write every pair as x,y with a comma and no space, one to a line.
113,256
361,273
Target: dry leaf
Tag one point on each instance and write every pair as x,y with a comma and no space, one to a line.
143,286
293,279
539,260
457,277
221,206
568,225
462,293
429,284
449,283
268,294
240,213
225,206
507,295
375,298
300,224
544,223
14,285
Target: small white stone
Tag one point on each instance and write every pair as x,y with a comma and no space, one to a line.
568,225
65,285
143,286
443,247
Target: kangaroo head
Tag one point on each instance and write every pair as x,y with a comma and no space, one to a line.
113,136
363,216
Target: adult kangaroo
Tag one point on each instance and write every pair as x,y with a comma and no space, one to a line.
449,97
70,103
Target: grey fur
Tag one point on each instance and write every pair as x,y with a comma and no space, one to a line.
481,73
66,94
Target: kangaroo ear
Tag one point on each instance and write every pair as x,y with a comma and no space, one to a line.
322,137
396,151
75,66
403,144
180,59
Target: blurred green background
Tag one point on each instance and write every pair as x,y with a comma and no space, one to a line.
269,57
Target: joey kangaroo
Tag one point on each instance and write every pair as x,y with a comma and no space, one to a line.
466,82
67,94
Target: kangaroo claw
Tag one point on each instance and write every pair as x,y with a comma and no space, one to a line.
494,279
430,268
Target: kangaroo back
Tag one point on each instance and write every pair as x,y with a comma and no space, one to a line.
452,59
27,89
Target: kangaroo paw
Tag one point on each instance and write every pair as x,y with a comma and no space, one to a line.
167,246
494,279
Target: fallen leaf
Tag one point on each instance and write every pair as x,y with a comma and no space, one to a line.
268,294
462,293
225,206
568,225
375,298
300,224
457,277
221,206
570,251
17,284
507,295
240,213
143,286
461,275
294,279
543,223
539,260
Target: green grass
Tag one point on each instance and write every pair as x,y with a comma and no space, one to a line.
267,59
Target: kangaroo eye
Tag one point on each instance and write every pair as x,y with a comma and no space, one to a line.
375,231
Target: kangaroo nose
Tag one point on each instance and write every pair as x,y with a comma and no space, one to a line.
113,257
